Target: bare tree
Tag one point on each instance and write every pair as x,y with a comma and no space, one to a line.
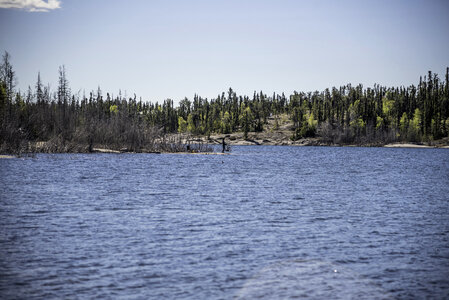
8,76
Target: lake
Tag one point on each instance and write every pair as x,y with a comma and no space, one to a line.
265,222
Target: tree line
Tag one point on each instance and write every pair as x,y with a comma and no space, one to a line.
71,122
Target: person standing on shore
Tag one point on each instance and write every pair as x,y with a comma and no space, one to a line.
224,146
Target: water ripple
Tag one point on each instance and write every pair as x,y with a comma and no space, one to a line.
264,222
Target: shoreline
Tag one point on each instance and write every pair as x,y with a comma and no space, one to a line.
238,143
283,139
200,144
411,145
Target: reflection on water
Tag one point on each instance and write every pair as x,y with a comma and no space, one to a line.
269,222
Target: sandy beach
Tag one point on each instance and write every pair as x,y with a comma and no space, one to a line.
408,145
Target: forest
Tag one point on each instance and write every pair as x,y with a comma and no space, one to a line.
62,121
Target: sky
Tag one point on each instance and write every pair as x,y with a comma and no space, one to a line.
160,49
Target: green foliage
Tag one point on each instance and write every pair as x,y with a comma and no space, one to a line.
113,109
358,124
414,132
403,125
416,121
182,125
446,125
311,122
380,124
226,123
190,124
246,120
387,106
307,131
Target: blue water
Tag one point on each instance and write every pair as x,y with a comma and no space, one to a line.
266,222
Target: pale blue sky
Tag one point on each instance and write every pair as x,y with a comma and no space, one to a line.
172,49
